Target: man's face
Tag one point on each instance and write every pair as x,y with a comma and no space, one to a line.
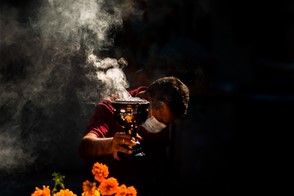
162,114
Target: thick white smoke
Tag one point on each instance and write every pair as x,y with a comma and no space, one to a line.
50,77
76,22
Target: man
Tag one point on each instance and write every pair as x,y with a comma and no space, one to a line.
104,138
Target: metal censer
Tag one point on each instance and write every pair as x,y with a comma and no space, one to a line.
130,114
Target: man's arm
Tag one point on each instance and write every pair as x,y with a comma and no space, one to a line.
92,146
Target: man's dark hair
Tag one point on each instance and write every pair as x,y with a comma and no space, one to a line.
171,91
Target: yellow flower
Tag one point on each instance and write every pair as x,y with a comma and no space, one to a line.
65,192
90,189
41,192
95,193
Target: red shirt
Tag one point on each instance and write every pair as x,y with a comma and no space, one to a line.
103,124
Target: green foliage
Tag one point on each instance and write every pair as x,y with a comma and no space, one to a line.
58,182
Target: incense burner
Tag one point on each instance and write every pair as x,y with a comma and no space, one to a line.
130,114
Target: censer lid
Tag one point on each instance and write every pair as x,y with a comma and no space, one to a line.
130,102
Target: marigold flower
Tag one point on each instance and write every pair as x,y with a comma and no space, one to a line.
88,186
90,189
100,171
131,191
65,192
121,190
126,191
95,193
41,192
108,186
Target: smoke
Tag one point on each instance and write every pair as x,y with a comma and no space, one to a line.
79,22
109,73
52,72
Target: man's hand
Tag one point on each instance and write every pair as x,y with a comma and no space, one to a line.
119,143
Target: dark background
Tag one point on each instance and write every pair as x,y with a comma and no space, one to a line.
236,57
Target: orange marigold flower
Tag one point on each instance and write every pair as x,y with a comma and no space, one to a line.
108,186
131,191
100,171
90,189
65,192
121,190
88,186
126,191
41,192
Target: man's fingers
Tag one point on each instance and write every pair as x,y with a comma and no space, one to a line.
124,149
126,141
120,149
138,136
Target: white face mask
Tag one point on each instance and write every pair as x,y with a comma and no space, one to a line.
152,125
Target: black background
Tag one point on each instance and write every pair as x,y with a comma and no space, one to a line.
237,59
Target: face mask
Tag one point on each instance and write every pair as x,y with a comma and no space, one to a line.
152,125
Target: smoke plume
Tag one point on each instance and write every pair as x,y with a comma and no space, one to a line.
53,70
